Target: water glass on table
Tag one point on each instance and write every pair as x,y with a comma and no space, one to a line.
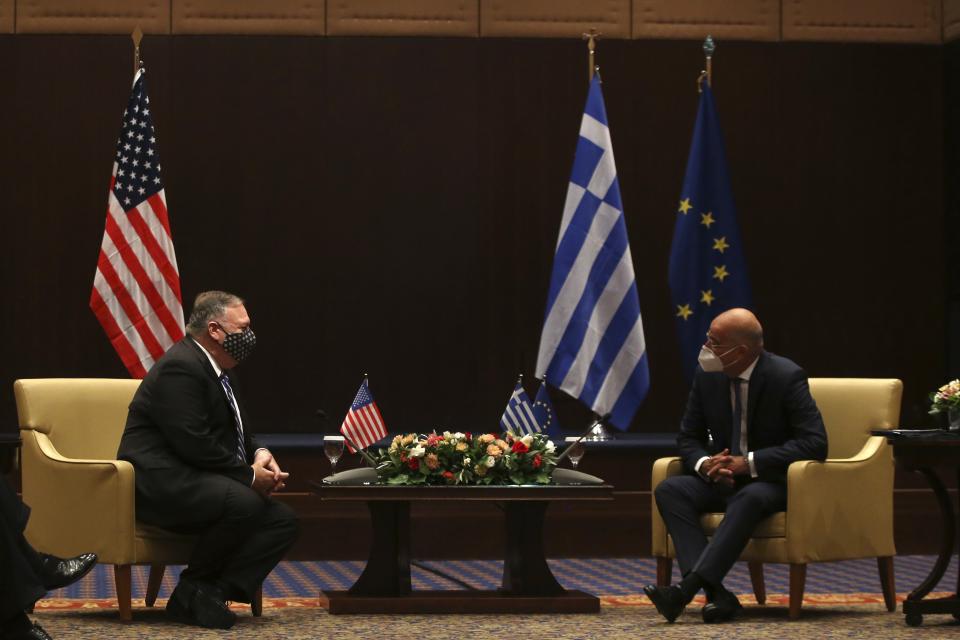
577,449
333,449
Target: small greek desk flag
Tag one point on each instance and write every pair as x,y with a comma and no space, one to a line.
518,416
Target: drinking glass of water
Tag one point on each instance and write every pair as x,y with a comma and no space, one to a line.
576,450
333,449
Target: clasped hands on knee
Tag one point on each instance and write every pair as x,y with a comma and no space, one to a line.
267,474
722,467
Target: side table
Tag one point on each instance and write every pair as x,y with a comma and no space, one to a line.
923,452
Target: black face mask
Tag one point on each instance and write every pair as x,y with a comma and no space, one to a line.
239,345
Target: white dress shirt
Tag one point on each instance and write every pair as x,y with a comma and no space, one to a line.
744,394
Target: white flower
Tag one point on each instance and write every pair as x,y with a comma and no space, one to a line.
458,436
447,435
550,447
466,461
491,461
527,440
417,451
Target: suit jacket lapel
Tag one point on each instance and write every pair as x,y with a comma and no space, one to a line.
754,389
205,363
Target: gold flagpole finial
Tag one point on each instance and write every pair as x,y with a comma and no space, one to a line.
591,38
137,37
709,46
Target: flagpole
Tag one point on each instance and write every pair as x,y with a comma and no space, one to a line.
591,38
137,37
366,456
597,422
709,46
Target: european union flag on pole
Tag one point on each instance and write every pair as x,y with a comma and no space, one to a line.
544,414
708,273
592,344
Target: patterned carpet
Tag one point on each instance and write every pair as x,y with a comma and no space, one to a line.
842,600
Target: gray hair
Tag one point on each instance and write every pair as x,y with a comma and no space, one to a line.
207,306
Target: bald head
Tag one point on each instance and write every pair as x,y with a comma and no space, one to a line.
741,326
736,337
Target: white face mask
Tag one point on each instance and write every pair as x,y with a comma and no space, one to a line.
711,362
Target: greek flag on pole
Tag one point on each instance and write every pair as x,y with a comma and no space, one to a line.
518,416
592,345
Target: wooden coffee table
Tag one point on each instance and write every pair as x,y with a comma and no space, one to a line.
528,585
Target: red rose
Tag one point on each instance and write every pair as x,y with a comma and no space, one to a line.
433,440
519,447
469,436
413,463
448,475
403,456
537,461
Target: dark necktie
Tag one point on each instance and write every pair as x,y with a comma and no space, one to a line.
241,453
737,418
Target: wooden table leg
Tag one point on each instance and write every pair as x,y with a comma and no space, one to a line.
947,544
525,568
388,568
915,606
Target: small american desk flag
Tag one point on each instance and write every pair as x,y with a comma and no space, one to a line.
136,290
363,425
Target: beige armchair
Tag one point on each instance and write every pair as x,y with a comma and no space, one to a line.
840,509
82,498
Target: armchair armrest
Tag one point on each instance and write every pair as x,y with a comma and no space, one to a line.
78,505
663,468
841,508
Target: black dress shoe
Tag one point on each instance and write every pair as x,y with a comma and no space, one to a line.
56,573
722,607
35,632
200,604
668,600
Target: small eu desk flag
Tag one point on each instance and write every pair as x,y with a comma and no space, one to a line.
708,273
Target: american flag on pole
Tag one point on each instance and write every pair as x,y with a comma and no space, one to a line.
136,290
363,425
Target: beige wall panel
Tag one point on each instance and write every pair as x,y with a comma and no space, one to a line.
696,19
554,18
92,16
284,17
402,18
6,16
859,21
951,20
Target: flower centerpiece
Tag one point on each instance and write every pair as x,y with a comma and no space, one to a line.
947,399
463,458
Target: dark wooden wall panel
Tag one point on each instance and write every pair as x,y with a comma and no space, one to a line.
391,206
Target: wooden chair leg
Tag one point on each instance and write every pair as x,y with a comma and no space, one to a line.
887,583
756,579
121,576
798,579
664,571
153,584
256,604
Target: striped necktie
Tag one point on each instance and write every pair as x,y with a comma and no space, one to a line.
737,418
241,453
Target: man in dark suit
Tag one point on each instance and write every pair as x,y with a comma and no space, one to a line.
26,574
199,468
757,410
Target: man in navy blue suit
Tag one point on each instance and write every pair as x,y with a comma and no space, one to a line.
748,417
